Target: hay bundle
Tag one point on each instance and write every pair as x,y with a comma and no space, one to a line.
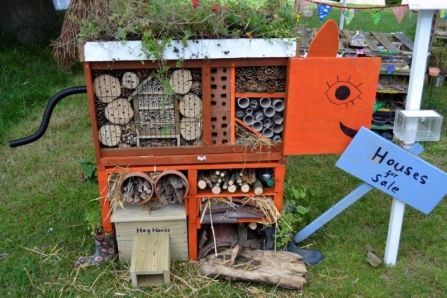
65,47
249,138
266,206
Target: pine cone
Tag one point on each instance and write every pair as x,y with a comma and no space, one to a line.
265,73
282,72
125,92
272,86
281,86
196,88
143,73
100,112
196,74
251,86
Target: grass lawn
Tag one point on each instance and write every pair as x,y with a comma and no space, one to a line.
43,202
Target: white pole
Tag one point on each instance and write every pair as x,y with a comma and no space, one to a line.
416,84
394,229
419,59
342,16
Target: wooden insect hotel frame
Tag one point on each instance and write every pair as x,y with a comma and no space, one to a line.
224,111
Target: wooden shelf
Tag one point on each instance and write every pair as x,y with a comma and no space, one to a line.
260,95
209,194
389,91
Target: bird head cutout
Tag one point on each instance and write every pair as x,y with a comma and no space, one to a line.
329,98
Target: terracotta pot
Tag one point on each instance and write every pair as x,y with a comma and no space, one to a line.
165,174
142,175
433,71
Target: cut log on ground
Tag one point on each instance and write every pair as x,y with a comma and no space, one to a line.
278,268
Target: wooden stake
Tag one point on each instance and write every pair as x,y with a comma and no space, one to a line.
257,187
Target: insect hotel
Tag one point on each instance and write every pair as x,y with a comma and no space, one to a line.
199,151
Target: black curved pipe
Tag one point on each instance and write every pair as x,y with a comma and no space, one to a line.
47,115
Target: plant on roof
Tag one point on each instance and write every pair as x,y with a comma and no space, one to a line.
183,19
158,22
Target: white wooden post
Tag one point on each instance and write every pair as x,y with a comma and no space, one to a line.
419,59
414,98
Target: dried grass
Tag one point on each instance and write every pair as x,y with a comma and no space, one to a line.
52,254
251,140
65,47
266,206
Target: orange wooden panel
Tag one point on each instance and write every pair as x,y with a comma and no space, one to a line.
92,110
328,100
202,159
325,42
105,204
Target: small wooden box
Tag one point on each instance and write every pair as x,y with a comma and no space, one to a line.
138,220
150,262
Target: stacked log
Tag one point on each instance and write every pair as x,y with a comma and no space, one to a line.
171,188
229,180
136,190
120,94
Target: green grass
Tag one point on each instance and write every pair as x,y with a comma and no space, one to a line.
40,188
25,83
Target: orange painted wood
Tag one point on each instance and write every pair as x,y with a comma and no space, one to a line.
185,150
183,167
232,103
324,95
219,158
325,42
206,106
104,203
189,63
249,128
279,175
92,110
261,95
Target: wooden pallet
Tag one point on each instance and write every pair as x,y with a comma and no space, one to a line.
376,42
380,43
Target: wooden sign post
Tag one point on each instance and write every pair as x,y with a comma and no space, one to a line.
397,172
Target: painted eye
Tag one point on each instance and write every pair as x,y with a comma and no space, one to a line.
343,92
